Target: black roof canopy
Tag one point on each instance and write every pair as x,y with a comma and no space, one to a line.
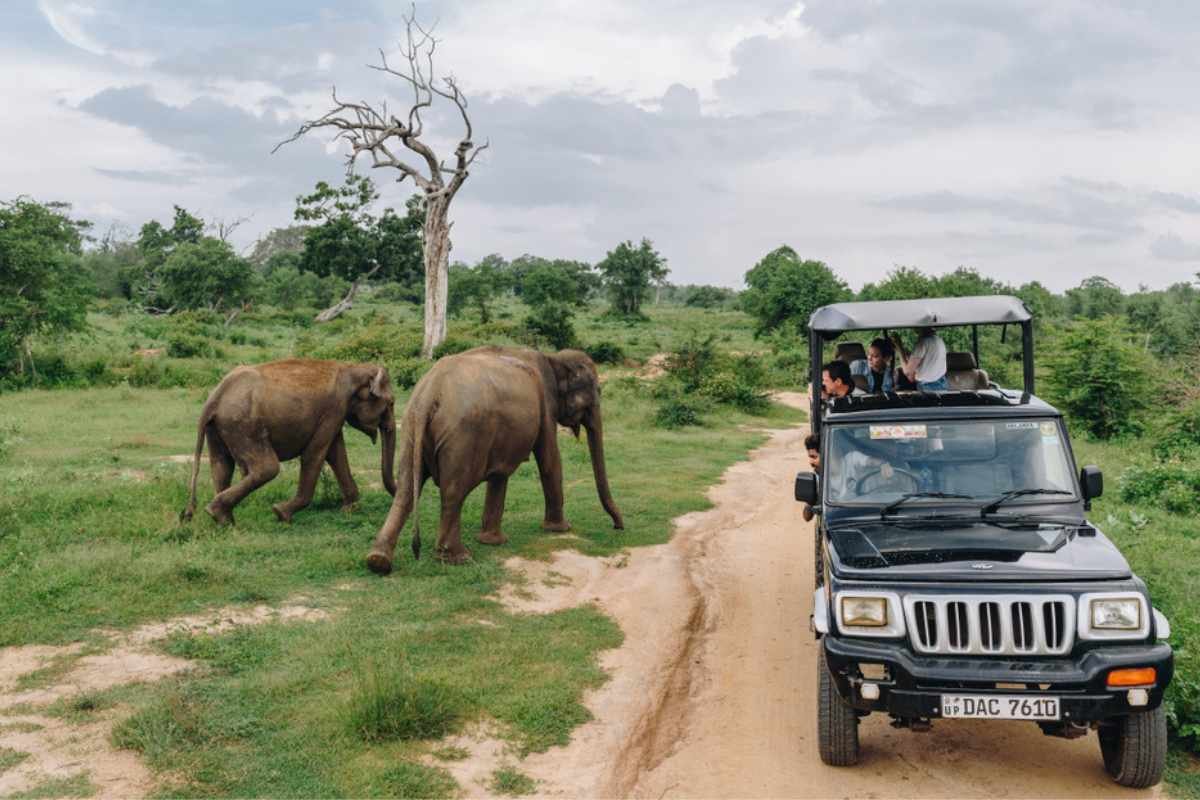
938,312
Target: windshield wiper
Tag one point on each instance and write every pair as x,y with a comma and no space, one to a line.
904,498
1004,498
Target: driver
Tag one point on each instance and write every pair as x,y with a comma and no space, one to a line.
848,471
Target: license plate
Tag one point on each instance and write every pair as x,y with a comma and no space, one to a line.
1000,706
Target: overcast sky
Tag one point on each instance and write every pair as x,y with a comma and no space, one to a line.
1047,140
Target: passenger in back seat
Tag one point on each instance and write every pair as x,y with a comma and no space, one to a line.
876,368
926,365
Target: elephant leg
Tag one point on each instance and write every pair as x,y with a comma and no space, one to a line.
379,560
311,462
339,462
259,465
549,464
220,461
450,549
493,510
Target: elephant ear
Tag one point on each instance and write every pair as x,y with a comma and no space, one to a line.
379,382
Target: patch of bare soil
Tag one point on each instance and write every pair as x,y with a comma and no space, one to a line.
61,749
183,458
713,692
655,366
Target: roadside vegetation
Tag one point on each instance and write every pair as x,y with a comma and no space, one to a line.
109,345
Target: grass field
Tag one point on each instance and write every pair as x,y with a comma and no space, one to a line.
90,489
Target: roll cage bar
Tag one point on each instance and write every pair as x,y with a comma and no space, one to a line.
829,322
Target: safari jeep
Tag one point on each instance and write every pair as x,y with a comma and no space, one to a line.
956,573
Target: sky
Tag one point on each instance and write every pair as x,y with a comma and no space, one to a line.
1050,140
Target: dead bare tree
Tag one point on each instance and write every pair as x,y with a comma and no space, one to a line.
381,134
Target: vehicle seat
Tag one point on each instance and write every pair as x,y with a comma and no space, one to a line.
849,352
963,375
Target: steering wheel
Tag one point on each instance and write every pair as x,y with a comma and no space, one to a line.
896,471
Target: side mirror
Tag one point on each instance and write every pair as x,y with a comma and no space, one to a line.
808,489
1091,481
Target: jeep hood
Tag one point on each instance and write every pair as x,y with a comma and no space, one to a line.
974,550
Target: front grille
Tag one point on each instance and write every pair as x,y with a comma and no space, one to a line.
1007,625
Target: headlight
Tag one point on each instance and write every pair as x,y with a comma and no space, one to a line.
1120,615
864,612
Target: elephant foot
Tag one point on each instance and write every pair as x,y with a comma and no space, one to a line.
379,563
453,556
220,514
282,513
561,526
349,501
492,537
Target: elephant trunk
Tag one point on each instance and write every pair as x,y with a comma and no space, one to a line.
595,437
388,452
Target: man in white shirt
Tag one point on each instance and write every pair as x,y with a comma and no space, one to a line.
926,364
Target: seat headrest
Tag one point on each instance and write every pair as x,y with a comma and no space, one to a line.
849,352
956,362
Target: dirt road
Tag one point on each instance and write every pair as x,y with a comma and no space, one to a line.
713,692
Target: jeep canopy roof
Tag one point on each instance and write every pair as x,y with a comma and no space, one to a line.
936,312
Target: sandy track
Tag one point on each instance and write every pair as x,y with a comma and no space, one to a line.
713,691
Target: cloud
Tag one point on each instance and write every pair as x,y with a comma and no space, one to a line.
1171,247
145,176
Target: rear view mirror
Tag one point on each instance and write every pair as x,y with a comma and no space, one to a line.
807,488
1091,480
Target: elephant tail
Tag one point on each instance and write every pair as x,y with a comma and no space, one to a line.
205,418
417,432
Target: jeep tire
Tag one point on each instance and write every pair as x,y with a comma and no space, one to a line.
837,722
1135,748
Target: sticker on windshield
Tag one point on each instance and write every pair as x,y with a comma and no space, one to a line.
1049,429
898,432
1021,426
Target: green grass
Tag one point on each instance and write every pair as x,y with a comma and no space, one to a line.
9,758
509,781
1164,550
350,705
75,786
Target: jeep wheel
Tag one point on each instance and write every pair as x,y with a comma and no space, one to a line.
1135,748
837,723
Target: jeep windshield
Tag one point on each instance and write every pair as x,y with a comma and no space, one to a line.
913,464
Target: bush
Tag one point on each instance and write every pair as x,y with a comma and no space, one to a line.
692,362
1175,487
182,345
378,343
1177,433
452,345
551,322
677,411
605,352
1100,379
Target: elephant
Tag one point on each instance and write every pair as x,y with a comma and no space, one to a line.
261,415
477,416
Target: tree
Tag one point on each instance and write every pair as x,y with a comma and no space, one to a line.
398,247
380,134
1099,378
902,283
783,291
628,272
206,274
155,244
478,286
45,292
341,243
279,241
551,282
707,296
1095,297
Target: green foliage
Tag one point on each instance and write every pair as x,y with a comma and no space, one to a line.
285,286
477,287
388,704
408,779
508,781
1099,378
692,361
284,243
697,375
552,323
784,291
10,431
182,345
679,410
1174,486
1177,431
708,296
1094,298
628,273
9,758
452,345
205,274
549,283
45,293
605,352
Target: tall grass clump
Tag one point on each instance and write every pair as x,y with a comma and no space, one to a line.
389,704
699,377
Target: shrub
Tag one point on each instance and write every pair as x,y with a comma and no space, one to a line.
677,411
692,361
552,322
1099,378
1173,486
605,352
1177,433
452,345
182,345
379,343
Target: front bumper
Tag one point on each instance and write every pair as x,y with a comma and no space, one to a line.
915,684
